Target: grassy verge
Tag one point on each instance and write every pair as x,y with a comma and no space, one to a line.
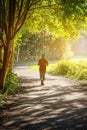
49,67
34,67
76,69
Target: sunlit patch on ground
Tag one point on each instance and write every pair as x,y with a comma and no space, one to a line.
74,95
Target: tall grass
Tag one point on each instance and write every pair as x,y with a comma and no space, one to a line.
70,68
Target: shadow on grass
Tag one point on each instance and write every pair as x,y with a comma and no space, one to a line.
46,108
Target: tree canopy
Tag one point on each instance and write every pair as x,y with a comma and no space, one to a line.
62,17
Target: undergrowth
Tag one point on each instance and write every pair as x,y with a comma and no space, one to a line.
72,69
11,85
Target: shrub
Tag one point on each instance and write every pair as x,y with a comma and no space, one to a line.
62,68
11,84
82,75
2,97
70,68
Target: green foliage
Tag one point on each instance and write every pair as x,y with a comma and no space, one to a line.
33,45
34,67
66,18
11,84
62,68
83,75
69,68
50,67
2,97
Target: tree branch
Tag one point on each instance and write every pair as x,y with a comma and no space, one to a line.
44,7
21,18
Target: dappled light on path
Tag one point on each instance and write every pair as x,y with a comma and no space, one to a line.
58,105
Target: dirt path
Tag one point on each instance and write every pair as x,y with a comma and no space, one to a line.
61,104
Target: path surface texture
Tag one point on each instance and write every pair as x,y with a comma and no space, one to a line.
61,104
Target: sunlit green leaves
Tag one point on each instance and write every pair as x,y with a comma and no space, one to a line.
62,17
69,68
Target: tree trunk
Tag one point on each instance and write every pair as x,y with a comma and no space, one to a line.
11,55
13,15
18,50
6,62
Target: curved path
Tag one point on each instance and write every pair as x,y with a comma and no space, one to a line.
61,104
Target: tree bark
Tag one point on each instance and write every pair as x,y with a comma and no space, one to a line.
5,67
13,14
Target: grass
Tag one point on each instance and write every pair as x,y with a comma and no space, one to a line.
34,67
49,67
74,68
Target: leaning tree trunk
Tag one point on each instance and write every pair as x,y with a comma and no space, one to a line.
6,64
12,16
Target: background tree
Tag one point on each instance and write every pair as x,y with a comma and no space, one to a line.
33,45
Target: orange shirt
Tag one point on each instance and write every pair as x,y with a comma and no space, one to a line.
42,64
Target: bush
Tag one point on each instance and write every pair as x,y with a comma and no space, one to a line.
62,68
70,68
11,84
82,75
2,97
